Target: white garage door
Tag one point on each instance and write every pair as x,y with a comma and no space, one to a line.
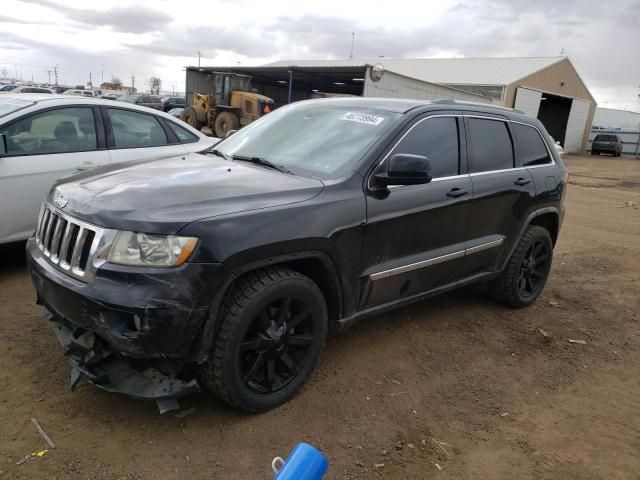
528,101
576,125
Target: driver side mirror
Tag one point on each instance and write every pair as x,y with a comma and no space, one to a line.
404,169
3,144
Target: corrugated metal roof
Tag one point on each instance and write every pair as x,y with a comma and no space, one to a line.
461,71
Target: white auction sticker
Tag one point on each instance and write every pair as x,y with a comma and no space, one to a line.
362,118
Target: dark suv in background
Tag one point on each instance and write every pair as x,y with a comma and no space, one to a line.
150,101
169,103
228,269
606,143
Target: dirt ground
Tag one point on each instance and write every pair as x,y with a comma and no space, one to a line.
455,387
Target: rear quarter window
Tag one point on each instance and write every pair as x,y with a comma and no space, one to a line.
531,148
183,135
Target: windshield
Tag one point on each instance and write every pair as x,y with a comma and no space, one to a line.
310,138
10,105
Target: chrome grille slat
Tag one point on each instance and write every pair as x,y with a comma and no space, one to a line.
55,243
43,225
64,248
39,224
77,248
71,244
47,232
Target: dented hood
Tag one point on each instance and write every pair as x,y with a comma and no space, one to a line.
163,196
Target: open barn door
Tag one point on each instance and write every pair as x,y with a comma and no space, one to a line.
528,101
575,127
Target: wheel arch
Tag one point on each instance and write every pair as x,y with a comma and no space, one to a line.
548,218
316,265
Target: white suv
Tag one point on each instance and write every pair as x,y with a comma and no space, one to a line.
46,137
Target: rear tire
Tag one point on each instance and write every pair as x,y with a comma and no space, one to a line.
273,328
526,273
225,122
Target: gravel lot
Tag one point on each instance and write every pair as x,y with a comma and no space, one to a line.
455,387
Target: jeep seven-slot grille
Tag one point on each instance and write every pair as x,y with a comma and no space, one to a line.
65,241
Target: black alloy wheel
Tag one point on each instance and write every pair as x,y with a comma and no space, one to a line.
276,345
526,272
533,269
271,333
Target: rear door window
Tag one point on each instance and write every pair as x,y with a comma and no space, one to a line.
490,146
531,148
437,139
135,130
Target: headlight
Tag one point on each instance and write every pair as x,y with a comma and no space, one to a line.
141,249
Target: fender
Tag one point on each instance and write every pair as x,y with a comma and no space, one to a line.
525,225
203,345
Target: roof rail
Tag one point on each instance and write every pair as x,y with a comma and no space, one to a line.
450,101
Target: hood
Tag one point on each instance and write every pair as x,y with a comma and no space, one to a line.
162,196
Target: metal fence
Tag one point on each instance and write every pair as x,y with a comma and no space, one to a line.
630,137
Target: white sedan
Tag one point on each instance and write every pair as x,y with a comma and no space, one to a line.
45,137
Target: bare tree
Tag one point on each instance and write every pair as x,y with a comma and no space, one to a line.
116,83
155,83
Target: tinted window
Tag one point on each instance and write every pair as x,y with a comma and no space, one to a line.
184,136
133,129
606,138
490,146
35,90
531,147
436,138
55,131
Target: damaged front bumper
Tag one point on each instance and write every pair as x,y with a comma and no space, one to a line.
91,358
131,331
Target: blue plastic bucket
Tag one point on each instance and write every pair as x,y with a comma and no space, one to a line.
305,462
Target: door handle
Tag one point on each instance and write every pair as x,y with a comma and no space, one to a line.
86,166
457,192
522,181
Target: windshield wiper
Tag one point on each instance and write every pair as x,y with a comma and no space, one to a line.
218,153
261,161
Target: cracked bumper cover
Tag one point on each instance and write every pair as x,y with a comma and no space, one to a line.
129,316
90,357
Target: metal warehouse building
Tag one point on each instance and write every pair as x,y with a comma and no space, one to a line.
548,88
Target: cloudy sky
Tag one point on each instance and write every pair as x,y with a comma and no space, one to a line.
144,38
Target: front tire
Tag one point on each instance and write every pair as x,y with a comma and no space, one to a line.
225,122
526,273
273,329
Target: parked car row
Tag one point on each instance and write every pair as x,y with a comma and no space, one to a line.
47,137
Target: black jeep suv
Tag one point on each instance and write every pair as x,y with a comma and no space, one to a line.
228,269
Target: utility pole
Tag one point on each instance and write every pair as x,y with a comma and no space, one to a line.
90,82
133,82
562,52
353,37
55,73
199,58
49,75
